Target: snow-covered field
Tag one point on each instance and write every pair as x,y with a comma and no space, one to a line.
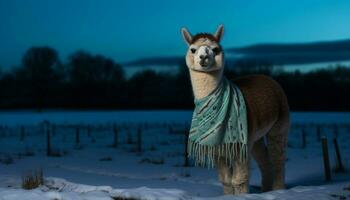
94,169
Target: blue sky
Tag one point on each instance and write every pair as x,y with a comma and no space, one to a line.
130,29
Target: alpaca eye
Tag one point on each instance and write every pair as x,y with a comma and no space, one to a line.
216,50
193,50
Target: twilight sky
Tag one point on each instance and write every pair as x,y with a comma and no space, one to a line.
129,29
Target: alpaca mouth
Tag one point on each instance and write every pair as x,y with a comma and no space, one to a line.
203,63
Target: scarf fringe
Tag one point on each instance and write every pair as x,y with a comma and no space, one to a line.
207,156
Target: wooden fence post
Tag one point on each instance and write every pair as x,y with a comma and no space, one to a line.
340,167
115,130
77,136
22,133
139,140
327,169
89,131
48,141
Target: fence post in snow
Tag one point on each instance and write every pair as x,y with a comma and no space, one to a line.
77,136
48,141
115,130
89,131
22,133
327,169
139,140
340,167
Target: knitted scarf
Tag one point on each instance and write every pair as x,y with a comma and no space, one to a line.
219,127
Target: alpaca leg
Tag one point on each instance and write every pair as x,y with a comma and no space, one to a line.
225,175
240,178
261,156
277,139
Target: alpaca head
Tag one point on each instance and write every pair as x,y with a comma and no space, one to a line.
205,52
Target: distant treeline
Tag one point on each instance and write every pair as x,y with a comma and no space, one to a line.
87,81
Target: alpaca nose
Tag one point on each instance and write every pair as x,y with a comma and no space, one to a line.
202,57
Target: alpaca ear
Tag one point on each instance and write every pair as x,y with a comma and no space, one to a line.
186,35
219,32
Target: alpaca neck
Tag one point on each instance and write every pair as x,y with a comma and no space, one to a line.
203,83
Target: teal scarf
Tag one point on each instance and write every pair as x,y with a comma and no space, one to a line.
219,126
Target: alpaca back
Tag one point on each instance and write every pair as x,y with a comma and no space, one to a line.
266,104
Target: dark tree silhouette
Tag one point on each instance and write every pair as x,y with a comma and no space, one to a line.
86,68
146,88
39,67
89,81
183,88
95,79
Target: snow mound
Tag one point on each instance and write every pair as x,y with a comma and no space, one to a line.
60,189
61,185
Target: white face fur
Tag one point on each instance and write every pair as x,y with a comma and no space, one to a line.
204,54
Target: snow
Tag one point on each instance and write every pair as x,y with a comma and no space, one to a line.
59,189
95,170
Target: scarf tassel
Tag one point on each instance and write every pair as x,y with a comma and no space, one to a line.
207,156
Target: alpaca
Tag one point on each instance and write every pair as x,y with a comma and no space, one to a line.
267,114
